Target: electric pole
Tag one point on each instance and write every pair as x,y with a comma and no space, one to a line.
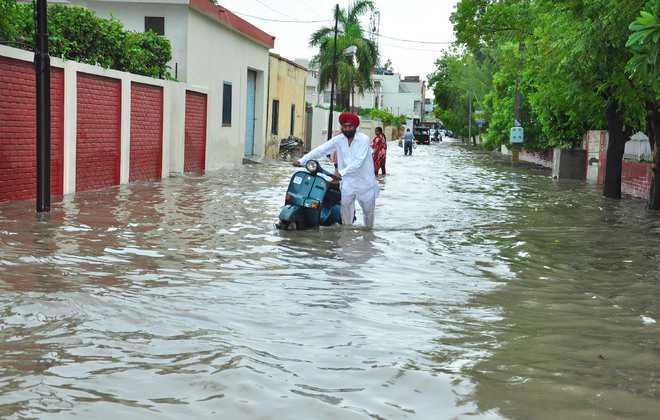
334,75
42,70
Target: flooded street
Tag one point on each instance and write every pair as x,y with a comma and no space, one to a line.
484,291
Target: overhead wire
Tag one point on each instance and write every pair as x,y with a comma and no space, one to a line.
294,20
275,10
280,20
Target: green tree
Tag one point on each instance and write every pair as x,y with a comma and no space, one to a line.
597,60
644,44
350,32
458,80
572,70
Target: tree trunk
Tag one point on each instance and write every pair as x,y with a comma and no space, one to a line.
653,131
343,100
615,149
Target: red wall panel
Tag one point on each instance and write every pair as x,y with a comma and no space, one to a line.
195,142
98,145
636,178
18,164
146,132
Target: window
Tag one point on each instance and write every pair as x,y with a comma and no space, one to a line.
293,118
275,117
226,104
156,24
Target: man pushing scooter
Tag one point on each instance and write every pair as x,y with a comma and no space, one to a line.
356,168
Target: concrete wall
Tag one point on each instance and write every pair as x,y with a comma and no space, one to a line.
569,163
594,143
636,172
320,125
132,17
286,85
74,108
216,55
543,158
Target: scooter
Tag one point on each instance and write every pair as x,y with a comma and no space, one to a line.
313,199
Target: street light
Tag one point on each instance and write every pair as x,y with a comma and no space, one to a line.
351,52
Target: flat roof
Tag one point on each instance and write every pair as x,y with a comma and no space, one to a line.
279,57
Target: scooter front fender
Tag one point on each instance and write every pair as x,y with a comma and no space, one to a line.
289,212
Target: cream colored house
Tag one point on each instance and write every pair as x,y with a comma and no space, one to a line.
217,51
286,103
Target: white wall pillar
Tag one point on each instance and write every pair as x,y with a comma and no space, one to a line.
167,105
70,125
125,154
213,100
176,119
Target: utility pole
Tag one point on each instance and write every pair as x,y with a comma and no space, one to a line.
334,74
423,104
469,117
516,110
42,70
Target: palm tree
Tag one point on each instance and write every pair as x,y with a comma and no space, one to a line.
350,32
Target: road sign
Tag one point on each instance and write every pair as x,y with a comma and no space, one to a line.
481,123
516,135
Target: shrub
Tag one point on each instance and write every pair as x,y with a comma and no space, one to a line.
78,34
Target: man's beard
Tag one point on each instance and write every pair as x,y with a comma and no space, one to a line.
349,133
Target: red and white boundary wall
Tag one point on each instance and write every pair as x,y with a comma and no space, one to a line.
635,174
107,127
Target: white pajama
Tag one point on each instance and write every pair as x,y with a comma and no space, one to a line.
356,167
367,201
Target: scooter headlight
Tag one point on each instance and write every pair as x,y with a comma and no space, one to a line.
312,166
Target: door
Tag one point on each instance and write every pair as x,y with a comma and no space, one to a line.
251,96
308,128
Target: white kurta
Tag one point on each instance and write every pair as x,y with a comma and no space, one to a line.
356,167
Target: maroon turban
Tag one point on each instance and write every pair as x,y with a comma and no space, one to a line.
349,117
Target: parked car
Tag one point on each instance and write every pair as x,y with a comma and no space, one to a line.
422,135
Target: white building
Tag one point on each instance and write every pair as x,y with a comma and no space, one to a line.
218,51
390,92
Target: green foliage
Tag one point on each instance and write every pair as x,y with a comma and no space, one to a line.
78,34
568,59
350,32
8,13
388,119
644,43
459,78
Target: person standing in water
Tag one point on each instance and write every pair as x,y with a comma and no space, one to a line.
379,146
408,142
356,167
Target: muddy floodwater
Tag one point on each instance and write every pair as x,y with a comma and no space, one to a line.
484,292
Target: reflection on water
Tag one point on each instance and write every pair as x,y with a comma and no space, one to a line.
484,291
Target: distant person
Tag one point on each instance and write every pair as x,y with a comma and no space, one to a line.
379,146
408,142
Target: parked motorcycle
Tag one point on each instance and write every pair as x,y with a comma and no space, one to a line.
312,199
290,147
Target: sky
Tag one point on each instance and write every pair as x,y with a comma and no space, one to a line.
417,20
